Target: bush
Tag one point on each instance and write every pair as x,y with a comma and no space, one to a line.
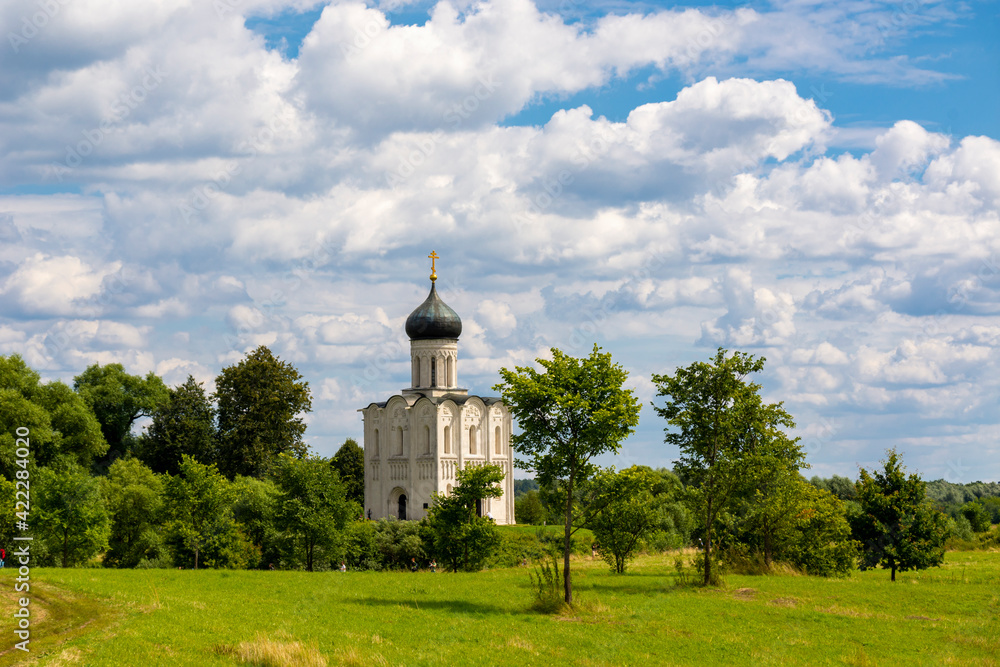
978,517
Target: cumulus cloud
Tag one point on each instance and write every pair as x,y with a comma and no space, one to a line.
216,194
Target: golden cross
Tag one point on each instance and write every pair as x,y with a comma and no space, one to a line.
433,257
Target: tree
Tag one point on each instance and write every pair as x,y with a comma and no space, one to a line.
728,438
69,512
255,509
118,400
460,536
133,495
818,536
573,411
183,424
896,527
60,422
774,479
528,509
201,526
313,506
630,512
349,461
260,401
979,518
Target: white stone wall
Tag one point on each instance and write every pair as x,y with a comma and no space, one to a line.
406,452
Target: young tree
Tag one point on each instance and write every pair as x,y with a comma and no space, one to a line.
528,509
979,518
460,536
630,512
728,438
199,503
573,411
818,536
183,424
69,512
118,400
133,495
260,401
312,506
350,463
255,510
896,527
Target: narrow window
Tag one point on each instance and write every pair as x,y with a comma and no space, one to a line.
447,440
376,444
427,440
496,441
399,442
434,372
472,439
451,372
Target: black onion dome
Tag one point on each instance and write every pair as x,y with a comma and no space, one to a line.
433,319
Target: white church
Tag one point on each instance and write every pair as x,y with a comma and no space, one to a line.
418,439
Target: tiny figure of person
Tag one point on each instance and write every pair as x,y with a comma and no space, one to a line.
271,566
3,556
413,565
369,515
433,565
343,566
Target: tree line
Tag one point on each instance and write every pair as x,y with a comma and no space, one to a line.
226,480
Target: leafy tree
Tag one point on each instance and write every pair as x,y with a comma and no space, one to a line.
728,438
133,495
255,509
774,482
60,422
313,506
528,509
573,411
118,400
8,500
69,513
896,527
201,526
461,538
182,424
260,401
630,512
350,463
979,518
817,538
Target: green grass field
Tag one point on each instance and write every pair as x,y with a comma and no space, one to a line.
947,615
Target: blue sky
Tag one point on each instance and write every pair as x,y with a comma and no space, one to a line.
814,182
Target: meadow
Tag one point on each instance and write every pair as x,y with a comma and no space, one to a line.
946,615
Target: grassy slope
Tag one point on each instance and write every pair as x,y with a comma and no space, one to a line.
941,616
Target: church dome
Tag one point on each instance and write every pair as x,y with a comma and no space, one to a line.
433,319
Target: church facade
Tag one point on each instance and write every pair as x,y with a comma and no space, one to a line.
417,440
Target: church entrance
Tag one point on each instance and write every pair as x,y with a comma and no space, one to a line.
402,508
